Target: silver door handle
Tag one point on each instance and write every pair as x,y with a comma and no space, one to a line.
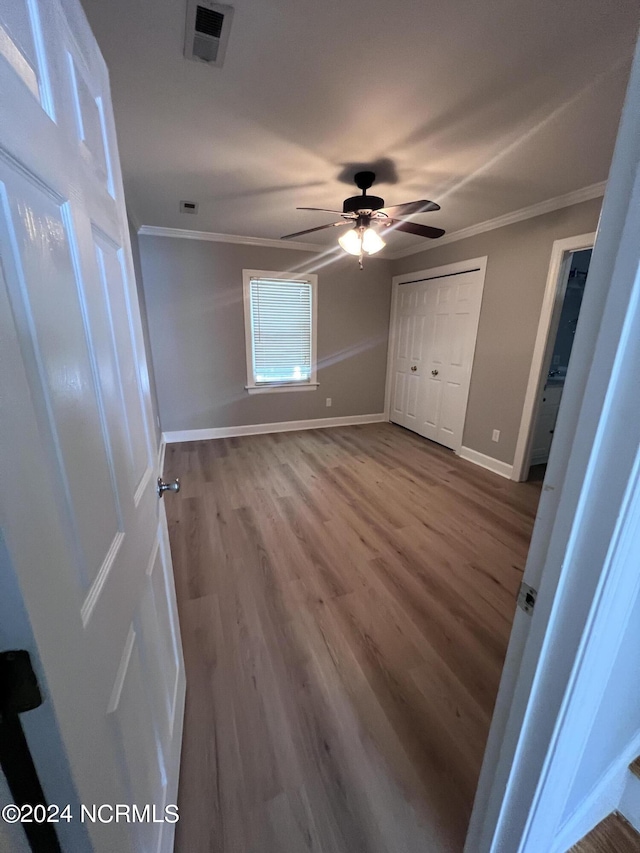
414,368
167,487
434,372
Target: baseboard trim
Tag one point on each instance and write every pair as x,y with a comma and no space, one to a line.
174,436
488,462
629,806
604,798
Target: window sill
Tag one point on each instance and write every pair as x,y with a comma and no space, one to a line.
275,389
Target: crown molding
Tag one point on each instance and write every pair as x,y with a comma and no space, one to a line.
211,237
539,209
542,207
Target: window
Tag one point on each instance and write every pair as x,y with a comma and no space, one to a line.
280,330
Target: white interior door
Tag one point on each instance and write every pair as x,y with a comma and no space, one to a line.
408,356
436,325
454,312
80,515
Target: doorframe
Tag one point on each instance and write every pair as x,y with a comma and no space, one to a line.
554,293
431,272
583,554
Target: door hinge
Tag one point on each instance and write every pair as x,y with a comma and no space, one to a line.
526,597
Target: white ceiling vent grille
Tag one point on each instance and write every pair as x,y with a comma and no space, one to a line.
207,31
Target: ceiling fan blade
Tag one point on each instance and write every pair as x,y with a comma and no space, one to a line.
320,228
322,210
409,207
415,228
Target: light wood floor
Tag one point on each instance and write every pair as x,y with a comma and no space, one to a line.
346,597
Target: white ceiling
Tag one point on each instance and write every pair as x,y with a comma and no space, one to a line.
485,107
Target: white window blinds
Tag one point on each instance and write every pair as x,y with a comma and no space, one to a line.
281,330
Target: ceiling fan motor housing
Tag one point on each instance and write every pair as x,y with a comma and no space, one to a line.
362,204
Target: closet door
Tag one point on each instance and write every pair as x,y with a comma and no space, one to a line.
435,336
408,356
451,331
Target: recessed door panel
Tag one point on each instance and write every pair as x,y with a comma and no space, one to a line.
399,394
433,402
440,342
417,338
119,352
38,238
449,421
132,714
403,337
459,338
413,390
22,50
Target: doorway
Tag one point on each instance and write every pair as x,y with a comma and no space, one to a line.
575,276
543,394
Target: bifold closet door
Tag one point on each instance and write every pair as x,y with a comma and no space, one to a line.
435,337
408,357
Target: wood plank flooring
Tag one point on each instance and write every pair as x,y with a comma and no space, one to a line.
345,597
613,835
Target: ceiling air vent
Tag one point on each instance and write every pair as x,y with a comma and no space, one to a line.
188,207
207,31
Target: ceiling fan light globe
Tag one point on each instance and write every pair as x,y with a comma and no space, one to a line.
350,241
372,242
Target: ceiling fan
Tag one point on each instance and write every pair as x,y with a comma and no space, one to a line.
367,214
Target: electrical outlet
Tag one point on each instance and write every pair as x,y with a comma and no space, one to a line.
496,435
328,402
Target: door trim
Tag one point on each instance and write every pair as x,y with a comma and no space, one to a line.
549,315
469,265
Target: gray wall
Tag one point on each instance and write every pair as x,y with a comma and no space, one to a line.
135,252
518,263
193,294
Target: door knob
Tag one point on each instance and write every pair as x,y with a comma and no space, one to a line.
167,487
414,368
434,372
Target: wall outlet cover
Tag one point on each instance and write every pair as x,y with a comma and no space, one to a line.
496,435
328,401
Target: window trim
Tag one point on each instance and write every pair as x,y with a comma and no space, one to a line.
276,387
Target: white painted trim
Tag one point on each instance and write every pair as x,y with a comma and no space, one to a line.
278,389
583,555
629,805
542,207
554,294
161,454
309,278
606,796
488,462
211,237
434,272
539,209
174,436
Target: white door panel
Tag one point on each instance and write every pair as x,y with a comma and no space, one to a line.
413,389
409,356
398,395
93,561
439,315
